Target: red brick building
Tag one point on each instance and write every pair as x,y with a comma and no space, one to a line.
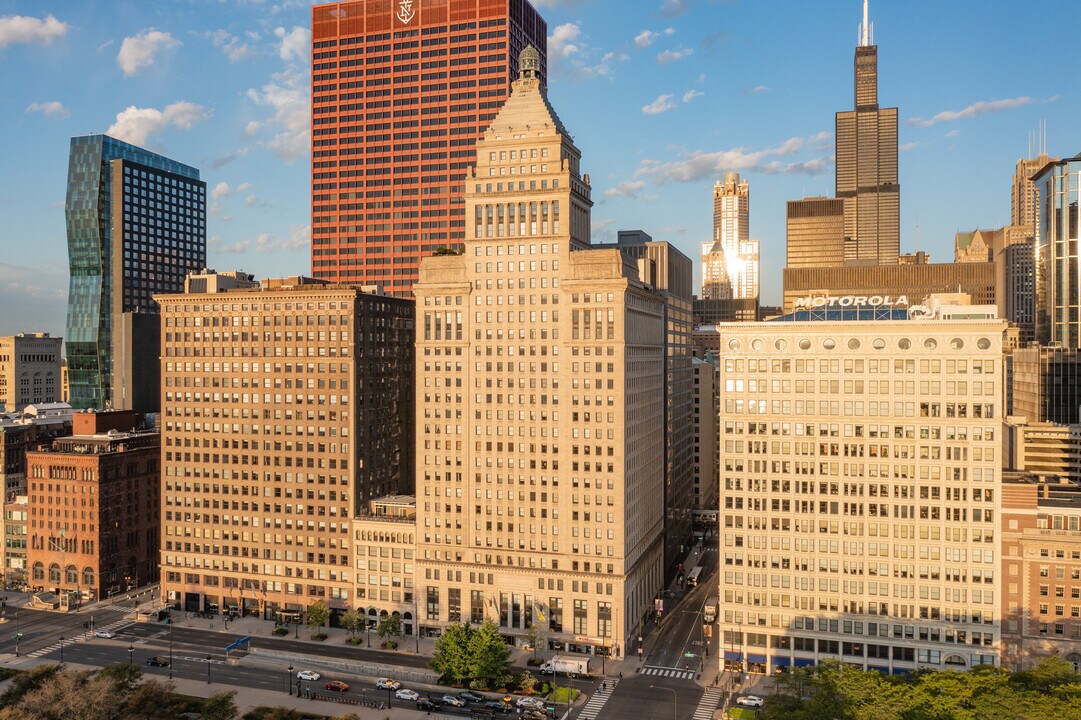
401,90
93,503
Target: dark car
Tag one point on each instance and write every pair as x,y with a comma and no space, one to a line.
498,706
158,661
425,704
436,700
470,696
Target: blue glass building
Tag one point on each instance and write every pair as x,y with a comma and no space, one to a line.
1058,260
136,226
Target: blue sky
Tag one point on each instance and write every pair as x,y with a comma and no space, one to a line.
662,96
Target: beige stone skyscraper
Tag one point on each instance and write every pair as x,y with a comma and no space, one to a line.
285,410
867,165
540,416
730,259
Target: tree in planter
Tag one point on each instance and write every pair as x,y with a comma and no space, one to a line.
535,638
525,681
354,621
318,614
489,656
390,625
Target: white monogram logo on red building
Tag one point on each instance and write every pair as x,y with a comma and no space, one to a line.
406,11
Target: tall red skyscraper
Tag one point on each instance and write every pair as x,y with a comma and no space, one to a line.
401,90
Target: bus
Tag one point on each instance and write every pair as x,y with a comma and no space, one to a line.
693,575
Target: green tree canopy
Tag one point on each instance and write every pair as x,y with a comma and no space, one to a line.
464,652
318,614
353,621
390,625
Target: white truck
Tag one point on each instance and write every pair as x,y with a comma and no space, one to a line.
571,666
709,611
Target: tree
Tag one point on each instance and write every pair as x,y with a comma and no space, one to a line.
71,695
489,656
353,621
318,614
220,706
124,677
153,700
25,683
451,656
535,637
444,250
390,625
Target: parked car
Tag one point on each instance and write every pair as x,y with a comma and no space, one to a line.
453,701
426,705
104,634
498,706
470,696
388,684
531,714
158,661
308,675
406,694
336,686
436,700
531,702
750,701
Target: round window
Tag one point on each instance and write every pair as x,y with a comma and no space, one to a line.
781,345
878,344
930,343
757,344
904,343
983,343
733,344
957,344
853,344
829,343
804,344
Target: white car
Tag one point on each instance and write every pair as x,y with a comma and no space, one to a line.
104,634
453,701
530,702
750,701
308,675
407,694
387,684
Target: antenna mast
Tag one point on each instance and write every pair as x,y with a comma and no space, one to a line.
866,31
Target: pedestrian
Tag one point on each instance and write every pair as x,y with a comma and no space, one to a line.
604,686
620,674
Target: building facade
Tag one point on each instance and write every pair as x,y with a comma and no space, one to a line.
815,232
285,409
1045,384
730,267
136,226
914,281
540,404
706,457
1041,565
29,370
1043,448
860,468
385,539
400,94
972,247
867,166
1058,293
93,506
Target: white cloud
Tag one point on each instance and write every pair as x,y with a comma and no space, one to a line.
698,165
220,190
671,56
627,189
140,51
287,95
691,95
647,37
299,239
953,133
909,146
561,43
23,30
135,125
52,109
671,8
756,90
232,45
983,107
295,44
662,104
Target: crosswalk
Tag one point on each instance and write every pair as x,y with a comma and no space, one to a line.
708,704
668,672
593,707
81,637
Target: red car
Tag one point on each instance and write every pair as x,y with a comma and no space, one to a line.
336,686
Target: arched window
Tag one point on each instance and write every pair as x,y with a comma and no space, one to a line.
1075,660
88,576
71,575
955,661
39,571
54,573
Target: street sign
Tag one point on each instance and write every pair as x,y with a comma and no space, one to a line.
688,654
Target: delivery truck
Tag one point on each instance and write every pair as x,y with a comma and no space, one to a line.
709,611
567,664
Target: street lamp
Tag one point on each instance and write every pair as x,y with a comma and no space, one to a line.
416,622
170,651
208,659
61,648
131,653
296,627
289,681
675,712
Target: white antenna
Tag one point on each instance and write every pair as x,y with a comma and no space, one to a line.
866,30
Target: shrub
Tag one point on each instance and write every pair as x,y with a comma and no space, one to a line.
281,631
355,641
319,636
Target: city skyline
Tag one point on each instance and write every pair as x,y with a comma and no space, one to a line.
692,89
